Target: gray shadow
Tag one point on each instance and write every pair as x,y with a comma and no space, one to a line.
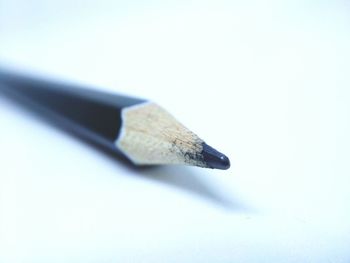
185,179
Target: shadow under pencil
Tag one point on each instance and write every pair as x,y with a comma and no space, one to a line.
183,178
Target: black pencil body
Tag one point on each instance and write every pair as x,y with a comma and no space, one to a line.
91,114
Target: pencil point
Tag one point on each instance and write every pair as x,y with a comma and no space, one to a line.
214,159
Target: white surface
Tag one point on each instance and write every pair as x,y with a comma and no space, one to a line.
272,78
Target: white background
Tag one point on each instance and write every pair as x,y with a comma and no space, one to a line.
266,82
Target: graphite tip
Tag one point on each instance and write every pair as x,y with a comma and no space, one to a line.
214,159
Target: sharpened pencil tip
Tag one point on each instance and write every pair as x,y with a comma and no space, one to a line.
214,159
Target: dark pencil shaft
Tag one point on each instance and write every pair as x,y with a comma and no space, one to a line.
95,113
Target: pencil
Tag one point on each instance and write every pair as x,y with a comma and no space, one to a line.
138,129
